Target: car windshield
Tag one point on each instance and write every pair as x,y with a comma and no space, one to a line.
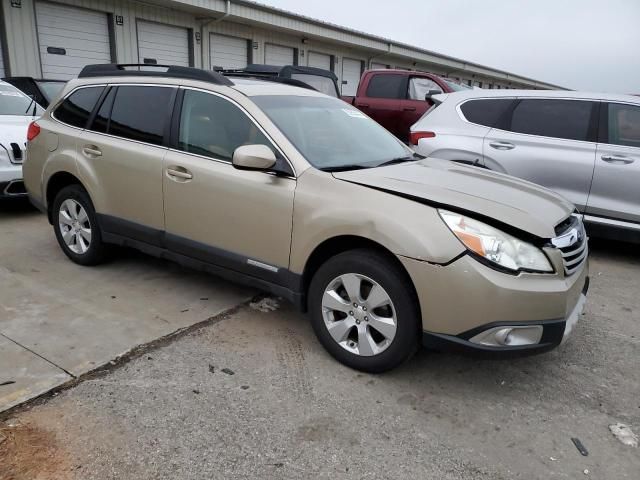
456,87
14,102
323,84
330,133
50,89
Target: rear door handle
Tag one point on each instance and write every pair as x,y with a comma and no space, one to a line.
502,145
91,151
365,105
409,109
179,173
620,159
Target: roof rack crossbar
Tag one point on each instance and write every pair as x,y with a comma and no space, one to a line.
172,71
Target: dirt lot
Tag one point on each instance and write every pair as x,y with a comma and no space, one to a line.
253,395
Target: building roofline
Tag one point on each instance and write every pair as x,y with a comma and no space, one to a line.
516,77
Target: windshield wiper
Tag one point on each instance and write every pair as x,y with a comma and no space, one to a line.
32,102
344,168
408,158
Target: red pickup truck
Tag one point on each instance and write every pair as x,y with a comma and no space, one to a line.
396,99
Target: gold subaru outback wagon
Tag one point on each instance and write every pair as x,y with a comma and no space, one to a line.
304,196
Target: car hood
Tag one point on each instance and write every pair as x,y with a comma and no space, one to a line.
13,128
508,200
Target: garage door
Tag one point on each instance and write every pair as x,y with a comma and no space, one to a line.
70,38
160,44
378,66
351,71
228,52
278,55
319,60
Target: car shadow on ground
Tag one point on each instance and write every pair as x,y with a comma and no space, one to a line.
16,207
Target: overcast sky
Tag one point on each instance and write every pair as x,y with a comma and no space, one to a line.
580,44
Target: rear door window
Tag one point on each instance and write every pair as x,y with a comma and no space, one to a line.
487,112
76,109
623,125
568,119
140,113
387,86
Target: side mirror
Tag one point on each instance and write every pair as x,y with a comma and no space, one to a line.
253,157
431,93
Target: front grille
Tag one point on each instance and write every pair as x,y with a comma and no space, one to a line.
572,243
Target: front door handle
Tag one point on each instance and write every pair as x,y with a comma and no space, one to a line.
502,145
619,159
409,109
91,151
362,105
180,173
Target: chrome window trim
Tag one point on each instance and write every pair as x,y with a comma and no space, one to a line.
251,118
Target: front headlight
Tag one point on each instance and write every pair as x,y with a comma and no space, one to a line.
495,245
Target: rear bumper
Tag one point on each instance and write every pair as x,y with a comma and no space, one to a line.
554,333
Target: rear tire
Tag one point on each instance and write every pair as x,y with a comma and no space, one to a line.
76,226
364,311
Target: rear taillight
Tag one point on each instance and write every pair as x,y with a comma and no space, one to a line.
33,131
416,136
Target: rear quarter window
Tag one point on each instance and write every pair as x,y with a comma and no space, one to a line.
487,112
77,107
387,86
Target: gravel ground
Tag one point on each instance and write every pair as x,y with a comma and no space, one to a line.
253,395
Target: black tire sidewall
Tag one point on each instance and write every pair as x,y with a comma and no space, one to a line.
95,253
398,286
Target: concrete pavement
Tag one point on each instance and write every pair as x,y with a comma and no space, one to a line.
59,320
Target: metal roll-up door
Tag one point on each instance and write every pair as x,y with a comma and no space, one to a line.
351,72
378,66
160,44
228,52
70,38
278,55
319,60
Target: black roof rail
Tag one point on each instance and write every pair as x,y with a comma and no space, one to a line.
172,71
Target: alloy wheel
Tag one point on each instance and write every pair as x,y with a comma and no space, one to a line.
75,226
359,314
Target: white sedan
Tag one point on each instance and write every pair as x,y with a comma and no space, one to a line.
17,111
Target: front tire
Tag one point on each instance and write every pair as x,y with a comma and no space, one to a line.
364,311
76,226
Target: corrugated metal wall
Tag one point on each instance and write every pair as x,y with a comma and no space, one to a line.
299,33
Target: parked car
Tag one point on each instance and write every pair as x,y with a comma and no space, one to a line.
584,146
299,194
319,79
17,111
396,99
43,91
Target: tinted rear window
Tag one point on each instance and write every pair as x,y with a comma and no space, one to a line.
77,107
567,119
140,113
485,112
387,86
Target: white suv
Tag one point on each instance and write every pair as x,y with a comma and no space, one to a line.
17,111
584,146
